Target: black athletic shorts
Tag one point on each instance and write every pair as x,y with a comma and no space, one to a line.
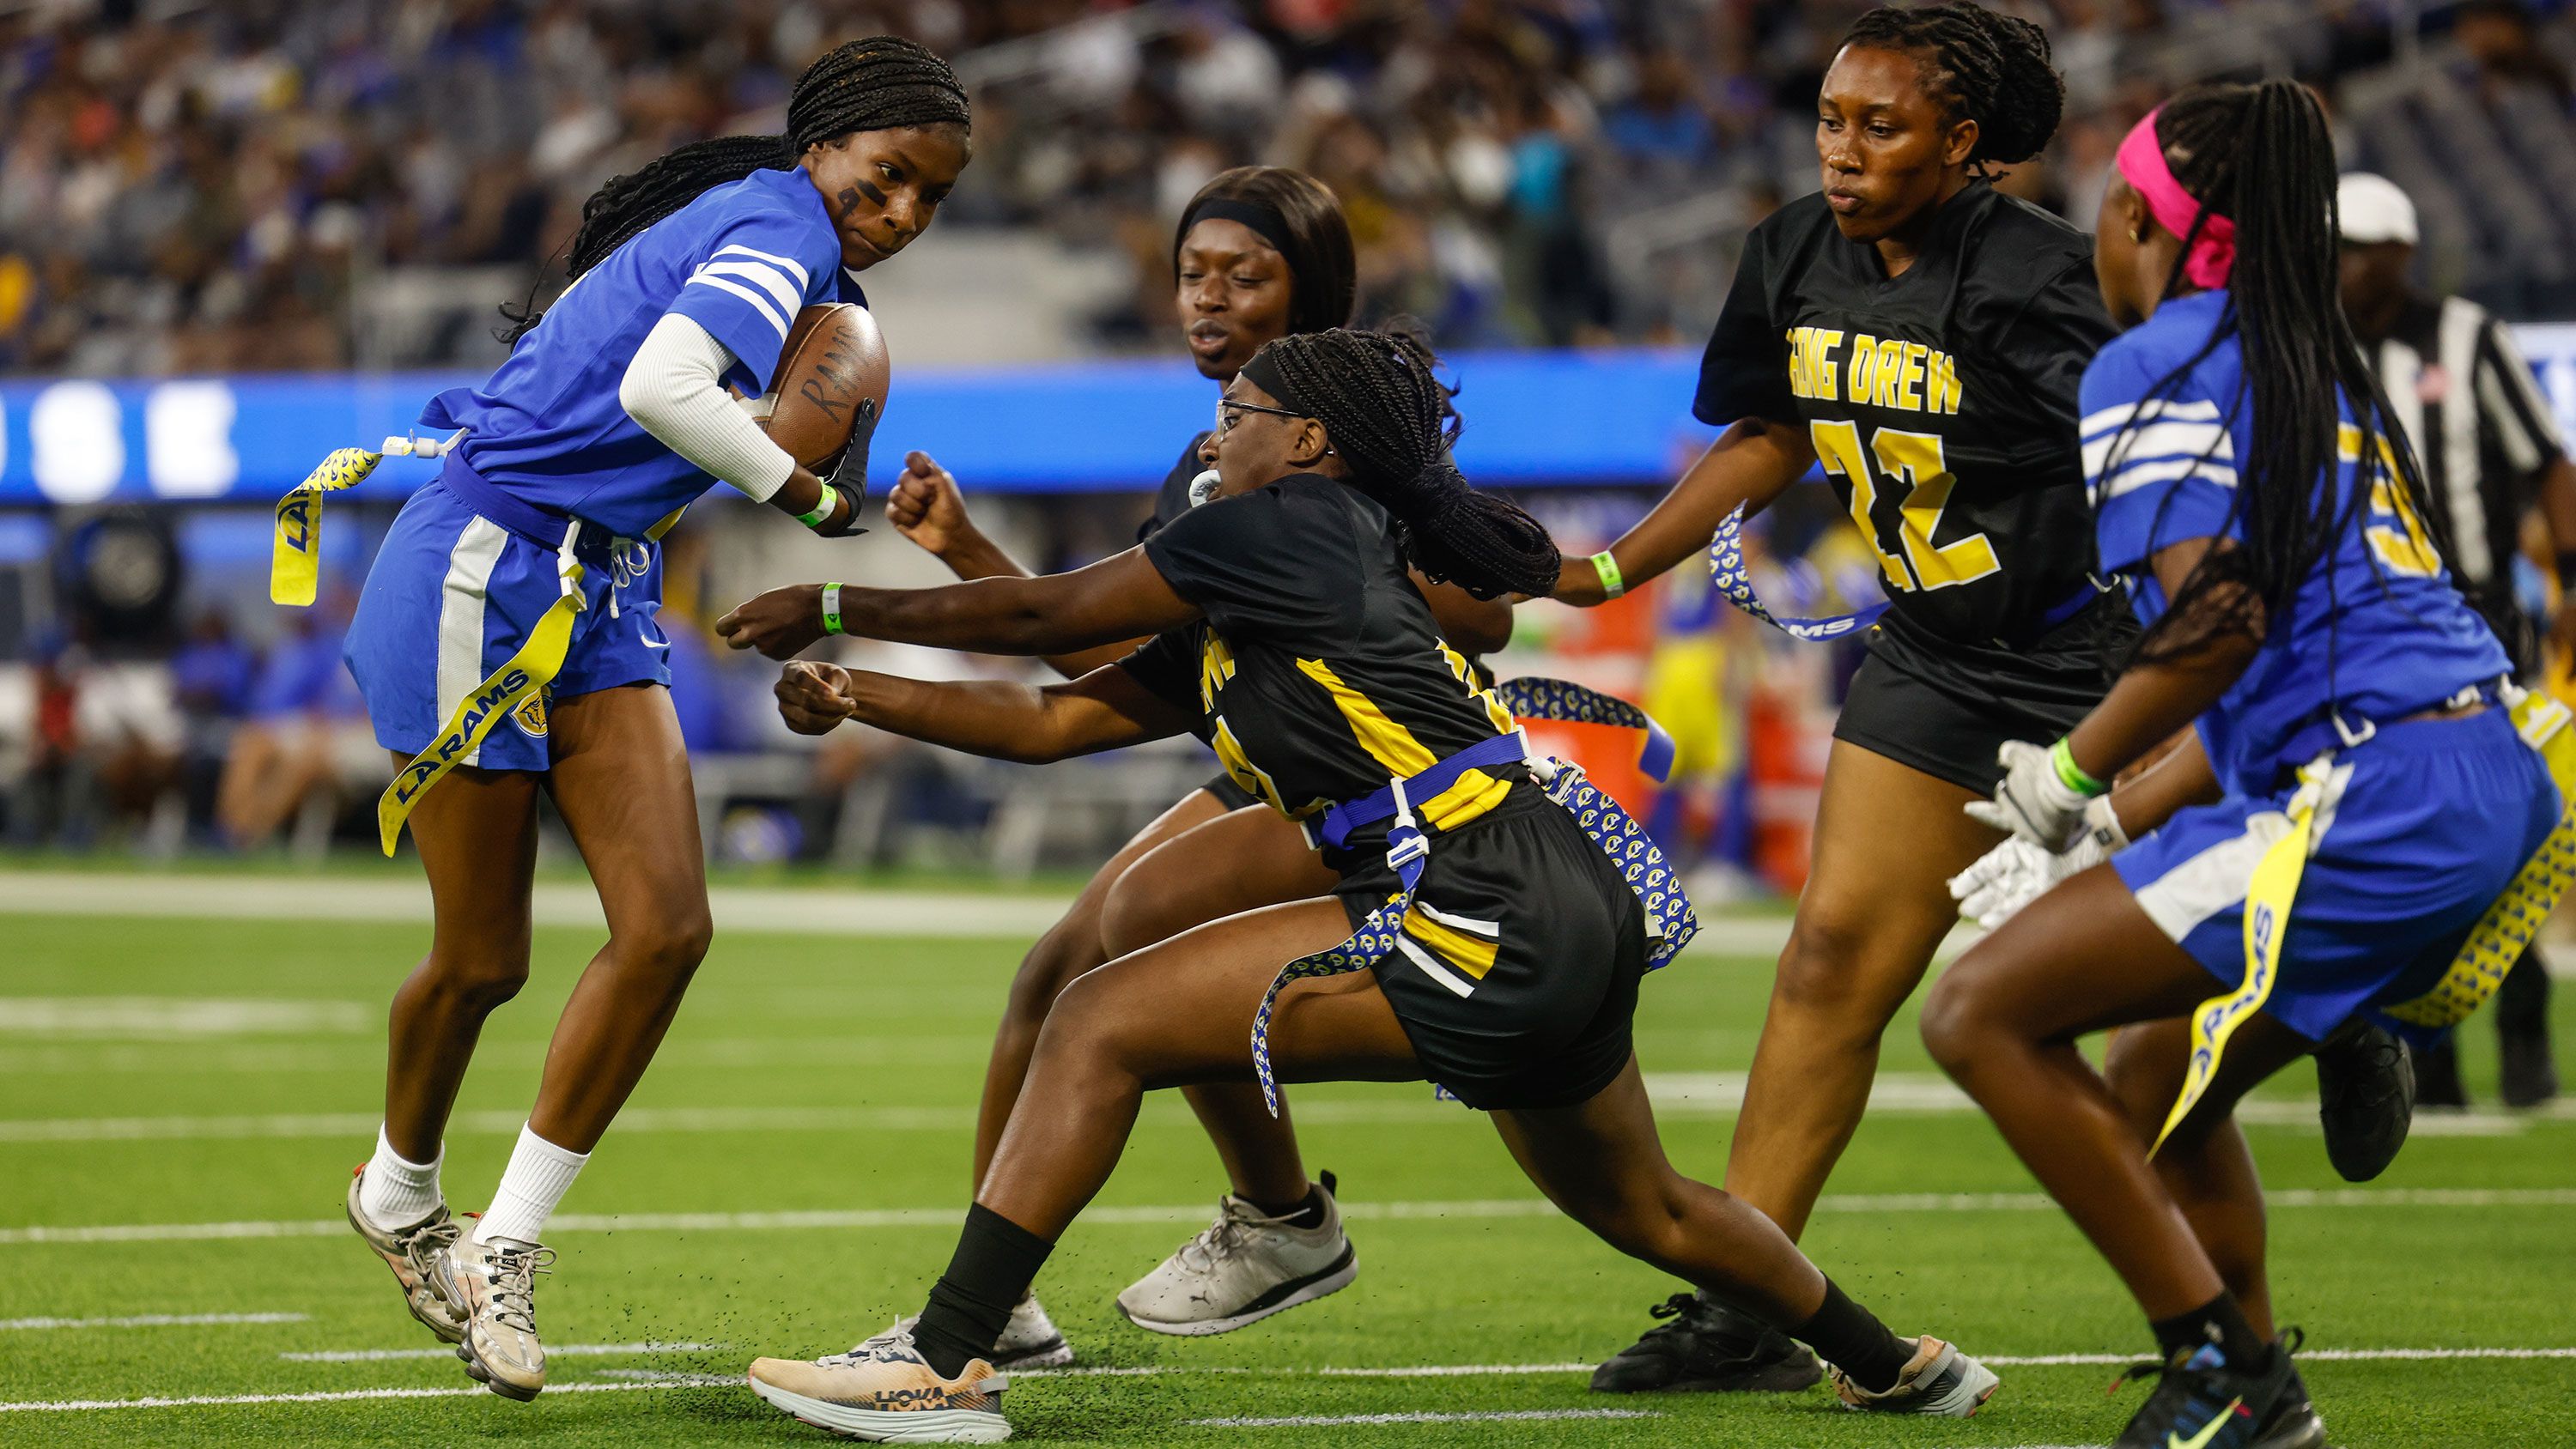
1229,794
1936,706
1516,974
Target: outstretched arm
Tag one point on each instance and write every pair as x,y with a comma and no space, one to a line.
1114,600
1752,462
1103,710
2150,701
1471,625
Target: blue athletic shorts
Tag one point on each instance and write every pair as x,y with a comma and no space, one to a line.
452,595
2419,829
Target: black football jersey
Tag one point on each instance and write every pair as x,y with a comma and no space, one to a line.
1173,498
1942,403
1318,673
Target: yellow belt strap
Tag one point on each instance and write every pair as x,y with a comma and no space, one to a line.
2498,939
2267,922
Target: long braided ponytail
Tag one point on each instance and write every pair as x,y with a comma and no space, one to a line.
1390,420
882,83
2262,156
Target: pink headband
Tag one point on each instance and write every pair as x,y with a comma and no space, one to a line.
2213,252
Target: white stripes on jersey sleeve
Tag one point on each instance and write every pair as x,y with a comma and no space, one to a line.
780,281
2132,445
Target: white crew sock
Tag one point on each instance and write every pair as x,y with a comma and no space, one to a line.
538,1176
395,1193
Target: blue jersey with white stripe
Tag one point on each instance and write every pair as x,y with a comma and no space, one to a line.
2376,631
740,261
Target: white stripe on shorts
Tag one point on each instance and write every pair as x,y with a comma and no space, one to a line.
1432,968
460,617
2215,880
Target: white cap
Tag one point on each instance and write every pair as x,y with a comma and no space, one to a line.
2374,210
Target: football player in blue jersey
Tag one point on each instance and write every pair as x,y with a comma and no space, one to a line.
533,552
2351,803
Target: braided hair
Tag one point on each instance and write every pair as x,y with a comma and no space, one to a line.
2262,156
882,83
1390,420
1983,66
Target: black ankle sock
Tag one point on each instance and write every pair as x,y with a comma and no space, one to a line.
970,1305
1852,1339
2220,1322
1305,1212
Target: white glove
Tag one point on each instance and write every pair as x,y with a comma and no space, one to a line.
2015,873
2032,802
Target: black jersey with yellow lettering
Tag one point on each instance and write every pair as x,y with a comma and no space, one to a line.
1318,673
1941,402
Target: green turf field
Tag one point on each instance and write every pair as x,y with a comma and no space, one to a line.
789,1178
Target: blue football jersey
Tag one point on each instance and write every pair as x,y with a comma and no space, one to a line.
2375,632
740,261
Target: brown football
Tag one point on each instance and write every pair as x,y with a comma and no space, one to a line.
833,362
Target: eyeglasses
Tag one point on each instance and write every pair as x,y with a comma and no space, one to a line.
1227,409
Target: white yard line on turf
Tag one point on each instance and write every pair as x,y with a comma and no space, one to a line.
553,1350
1301,1421
611,1380
153,1320
947,1217
1676,1095
737,909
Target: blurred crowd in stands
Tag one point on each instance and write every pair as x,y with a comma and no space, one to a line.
189,187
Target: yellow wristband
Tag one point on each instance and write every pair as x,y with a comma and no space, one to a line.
823,507
831,608
1612,586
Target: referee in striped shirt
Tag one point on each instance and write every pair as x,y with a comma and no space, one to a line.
2493,462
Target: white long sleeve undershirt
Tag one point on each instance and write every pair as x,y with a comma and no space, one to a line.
674,389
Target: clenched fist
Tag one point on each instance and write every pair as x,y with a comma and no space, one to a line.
781,623
811,697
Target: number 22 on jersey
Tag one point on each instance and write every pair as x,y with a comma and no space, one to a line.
1913,462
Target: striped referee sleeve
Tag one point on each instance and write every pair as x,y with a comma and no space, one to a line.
2510,404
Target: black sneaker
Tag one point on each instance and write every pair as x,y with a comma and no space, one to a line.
2530,1077
2366,1099
2201,1402
1706,1347
2293,1423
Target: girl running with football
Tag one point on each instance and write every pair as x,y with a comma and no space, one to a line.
1498,951
2353,795
609,417
1260,252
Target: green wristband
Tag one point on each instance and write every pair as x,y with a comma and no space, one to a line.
831,608
2071,774
830,500
1612,586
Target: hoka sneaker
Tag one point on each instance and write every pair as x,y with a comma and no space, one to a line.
1938,1380
1244,1267
2203,1402
2365,1098
883,1390
409,1252
1703,1346
1029,1341
495,1285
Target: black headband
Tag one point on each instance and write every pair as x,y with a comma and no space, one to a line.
1264,219
1264,374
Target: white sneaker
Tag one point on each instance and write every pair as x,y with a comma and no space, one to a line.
410,1251
1029,1341
1243,1268
495,1285
1939,1380
885,1391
